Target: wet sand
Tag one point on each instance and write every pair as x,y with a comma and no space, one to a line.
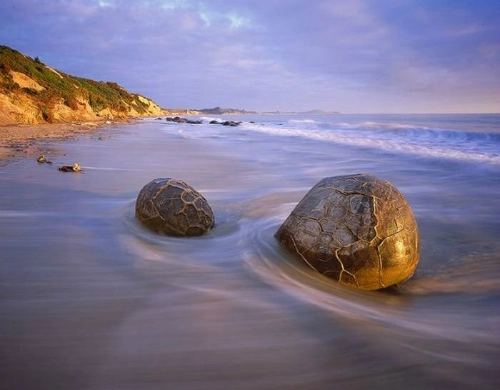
21,140
93,300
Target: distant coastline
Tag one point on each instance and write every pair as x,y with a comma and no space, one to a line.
237,111
310,112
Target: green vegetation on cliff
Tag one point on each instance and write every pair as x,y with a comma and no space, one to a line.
46,90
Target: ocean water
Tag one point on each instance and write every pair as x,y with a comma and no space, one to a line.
92,300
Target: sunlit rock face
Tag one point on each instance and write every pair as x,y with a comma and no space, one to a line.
174,208
356,229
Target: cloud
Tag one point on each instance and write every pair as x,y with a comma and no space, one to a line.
350,55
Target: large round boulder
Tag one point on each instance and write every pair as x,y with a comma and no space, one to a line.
174,208
356,229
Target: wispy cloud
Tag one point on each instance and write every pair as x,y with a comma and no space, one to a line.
350,55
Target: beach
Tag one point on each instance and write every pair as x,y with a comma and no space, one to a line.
93,300
20,139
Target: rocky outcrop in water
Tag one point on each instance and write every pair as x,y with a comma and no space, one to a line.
225,123
178,119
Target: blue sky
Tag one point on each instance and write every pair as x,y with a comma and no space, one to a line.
353,56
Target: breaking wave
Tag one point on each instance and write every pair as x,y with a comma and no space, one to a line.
470,146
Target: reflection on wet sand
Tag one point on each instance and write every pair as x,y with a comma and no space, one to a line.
92,300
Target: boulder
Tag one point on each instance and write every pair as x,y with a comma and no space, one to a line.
173,207
231,123
356,229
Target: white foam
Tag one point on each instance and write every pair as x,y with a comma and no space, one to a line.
398,137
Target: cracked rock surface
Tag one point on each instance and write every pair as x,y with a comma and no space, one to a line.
356,229
173,207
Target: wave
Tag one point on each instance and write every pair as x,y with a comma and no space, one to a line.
434,133
302,121
471,146
471,142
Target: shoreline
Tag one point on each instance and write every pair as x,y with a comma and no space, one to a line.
20,140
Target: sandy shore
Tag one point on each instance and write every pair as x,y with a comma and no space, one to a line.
21,140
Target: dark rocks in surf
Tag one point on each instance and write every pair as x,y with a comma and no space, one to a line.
231,123
173,207
71,168
356,229
225,123
179,119
42,159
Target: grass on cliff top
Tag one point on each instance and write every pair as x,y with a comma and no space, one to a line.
61,87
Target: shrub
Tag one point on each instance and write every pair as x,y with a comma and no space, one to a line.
5,69
30,91
47,114
71,101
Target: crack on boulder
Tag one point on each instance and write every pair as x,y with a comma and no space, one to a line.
350,227
343,269
301,254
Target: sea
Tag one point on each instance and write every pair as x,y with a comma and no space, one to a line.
90,299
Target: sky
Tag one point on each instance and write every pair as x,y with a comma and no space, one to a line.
351,56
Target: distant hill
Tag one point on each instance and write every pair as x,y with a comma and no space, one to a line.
224,111
310,112
32,92
319,112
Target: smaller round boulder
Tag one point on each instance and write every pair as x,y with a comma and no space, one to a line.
173,207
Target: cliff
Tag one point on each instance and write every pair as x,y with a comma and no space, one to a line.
32,93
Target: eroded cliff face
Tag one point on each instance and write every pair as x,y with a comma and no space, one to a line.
33,93
17,107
